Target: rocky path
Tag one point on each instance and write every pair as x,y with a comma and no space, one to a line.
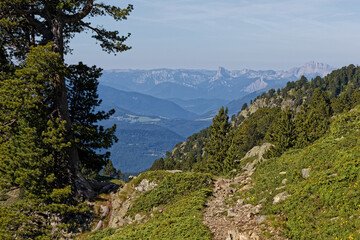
235,220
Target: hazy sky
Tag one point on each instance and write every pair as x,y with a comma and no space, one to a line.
235,34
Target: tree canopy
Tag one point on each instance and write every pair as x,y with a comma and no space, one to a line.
28,23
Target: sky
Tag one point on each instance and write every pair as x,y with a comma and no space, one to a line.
235,34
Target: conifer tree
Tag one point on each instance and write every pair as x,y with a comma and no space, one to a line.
26,23
313,120
282,134
355,98
82,84
216,146
32,143
158,164
109,169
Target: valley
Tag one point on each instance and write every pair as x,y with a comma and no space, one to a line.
174,104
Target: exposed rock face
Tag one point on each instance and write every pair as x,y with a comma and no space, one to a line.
256,151
119,211
256,86
312,68
145,185
122,201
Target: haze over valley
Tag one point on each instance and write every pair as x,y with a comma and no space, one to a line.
173,104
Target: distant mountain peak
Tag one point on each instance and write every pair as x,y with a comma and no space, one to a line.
312,67
220,74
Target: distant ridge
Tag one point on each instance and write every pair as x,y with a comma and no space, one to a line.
207,84
141,104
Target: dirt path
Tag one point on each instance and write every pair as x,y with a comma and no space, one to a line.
235,221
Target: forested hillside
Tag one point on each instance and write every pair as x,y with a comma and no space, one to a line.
300,190
292,117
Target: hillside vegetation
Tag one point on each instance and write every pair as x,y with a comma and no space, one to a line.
172,210
52,150
320,204
324,204
292,117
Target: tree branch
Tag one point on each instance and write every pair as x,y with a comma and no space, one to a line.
80,15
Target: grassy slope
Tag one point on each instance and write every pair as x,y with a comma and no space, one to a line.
178,199
326,205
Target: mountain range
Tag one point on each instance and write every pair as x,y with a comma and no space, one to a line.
207,84
157,108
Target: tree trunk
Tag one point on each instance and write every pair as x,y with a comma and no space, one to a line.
81,188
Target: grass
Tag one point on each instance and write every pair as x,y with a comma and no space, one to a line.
326,205
180,196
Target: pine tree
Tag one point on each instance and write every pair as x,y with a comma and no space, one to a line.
158,164
216,146
313,120
282,134
355,98
109,169
32,143
244,106
302,126
25,23
82,84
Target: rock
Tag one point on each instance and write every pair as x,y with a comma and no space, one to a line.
117,215
240,201
338,139
306,172
248,206
333,175
284,181
280,197
234,234
254,236
258,150
246,187
262,200
255,151
145,185
260,219
174,171
257,209
139,217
